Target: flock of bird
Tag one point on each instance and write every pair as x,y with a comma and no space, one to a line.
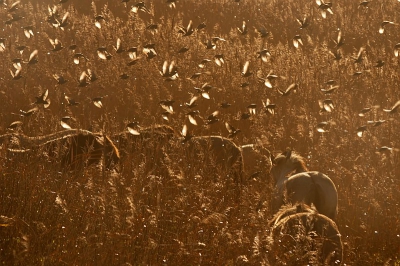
169,69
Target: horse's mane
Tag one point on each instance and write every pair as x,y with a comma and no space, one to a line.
299,162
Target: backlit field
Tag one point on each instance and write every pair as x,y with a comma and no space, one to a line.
185,210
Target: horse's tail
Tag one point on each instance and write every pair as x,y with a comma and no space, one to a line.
325,196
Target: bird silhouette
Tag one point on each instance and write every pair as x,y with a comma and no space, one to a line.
297,41
98,20
304,23
57,45
393,109
43,99
291,87
186,31
269,107
243,29
28,31
231,130
324,7
246,72
383,24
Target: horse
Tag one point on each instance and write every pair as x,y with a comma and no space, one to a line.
217,153
149,144
295,184
73,148
256,161
311,237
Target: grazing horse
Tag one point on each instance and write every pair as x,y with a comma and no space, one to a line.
148,145
215,152
256,161
311,237
73,148
294,184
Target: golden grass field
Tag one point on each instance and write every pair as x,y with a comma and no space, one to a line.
184,209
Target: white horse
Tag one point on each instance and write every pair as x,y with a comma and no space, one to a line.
295,184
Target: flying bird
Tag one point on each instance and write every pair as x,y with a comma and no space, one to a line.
225,105
269,107
98,20
77,58
132,53
325,106
393,109
186,31
203,63
103,53
64,121
232,130
291,87
83,79
60,79
33,58
133,128
28,31
304,23
379,63
70,101
17,74
360,130
118,48
219,59
267,80
364,4
383,24
63,23
14,7
167,105
337,55
252,108
192,102
204,90
185,134
191,116
246,72
264,54
324,7
169,71
330,89
243,29
97,101
57,45
297,41
149,50
15,125
358,58
212,118
140,7
396,49
43,99
339,40
2,44
323,127
30,112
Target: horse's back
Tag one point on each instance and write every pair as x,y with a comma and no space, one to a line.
314,187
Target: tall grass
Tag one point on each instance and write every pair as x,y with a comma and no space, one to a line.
178,215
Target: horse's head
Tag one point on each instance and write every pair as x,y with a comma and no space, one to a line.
287,163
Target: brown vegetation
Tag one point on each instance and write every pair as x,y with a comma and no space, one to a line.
156,209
